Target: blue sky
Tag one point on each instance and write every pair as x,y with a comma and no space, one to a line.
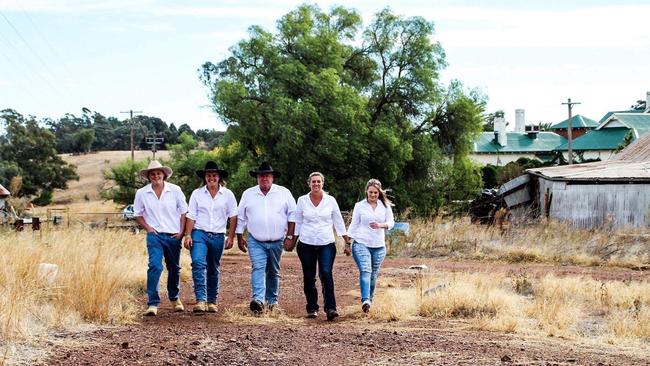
111,56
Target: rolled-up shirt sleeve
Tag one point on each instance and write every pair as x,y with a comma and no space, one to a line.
390,220
232,205
337,219
193,208
181,204
241,215
138,204
352,230
291,206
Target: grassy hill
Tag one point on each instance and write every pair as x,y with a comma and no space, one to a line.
91,168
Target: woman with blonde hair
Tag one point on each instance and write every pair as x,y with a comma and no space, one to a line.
315,215
371,218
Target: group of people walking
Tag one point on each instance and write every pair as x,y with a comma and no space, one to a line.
274,223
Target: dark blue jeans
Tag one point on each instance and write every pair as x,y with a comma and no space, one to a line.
323,256
161,246
207,249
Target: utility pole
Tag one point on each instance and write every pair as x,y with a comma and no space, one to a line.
130,112
569,105
154,141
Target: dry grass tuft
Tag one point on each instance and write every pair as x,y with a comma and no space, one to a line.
548,242
97,276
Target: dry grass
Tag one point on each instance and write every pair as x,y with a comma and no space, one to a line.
90,168
549,242
98,274
572,307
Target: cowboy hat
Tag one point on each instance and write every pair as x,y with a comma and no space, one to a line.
211,166
264,168
155,165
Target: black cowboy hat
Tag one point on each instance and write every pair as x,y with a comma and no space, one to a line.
264,168
211,166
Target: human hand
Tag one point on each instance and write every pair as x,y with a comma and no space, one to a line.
241,243
288,244
347,249
188,242
229,242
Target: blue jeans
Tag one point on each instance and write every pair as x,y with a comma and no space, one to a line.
207,249
265,275
369,261
323,256
161,246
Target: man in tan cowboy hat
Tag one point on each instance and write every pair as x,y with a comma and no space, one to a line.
265,210
160,208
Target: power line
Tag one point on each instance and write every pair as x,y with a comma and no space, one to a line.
130,112
569,105
31,49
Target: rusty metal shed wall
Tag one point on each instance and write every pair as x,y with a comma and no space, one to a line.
592,205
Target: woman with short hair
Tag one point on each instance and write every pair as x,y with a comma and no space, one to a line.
316,213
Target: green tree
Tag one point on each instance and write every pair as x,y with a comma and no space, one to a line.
488,125
84,139
313,97
32,149
124,180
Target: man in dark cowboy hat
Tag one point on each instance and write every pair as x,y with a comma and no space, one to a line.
160,208
265,210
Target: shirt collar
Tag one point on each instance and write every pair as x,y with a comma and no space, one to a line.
273,189
165,187
205,189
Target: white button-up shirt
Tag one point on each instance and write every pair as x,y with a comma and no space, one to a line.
211,214
265,216
362,216
314,223
164,213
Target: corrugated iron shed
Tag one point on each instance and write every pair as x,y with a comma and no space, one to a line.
620,170
638,151
4,192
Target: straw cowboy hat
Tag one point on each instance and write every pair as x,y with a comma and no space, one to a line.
155,165
264,168
211,166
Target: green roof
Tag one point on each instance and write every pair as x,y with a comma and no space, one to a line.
603,139
640,123
518,142
608,114
577,121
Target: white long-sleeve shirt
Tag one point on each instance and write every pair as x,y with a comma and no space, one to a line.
314,223
211,214
265,216
362,216
164,213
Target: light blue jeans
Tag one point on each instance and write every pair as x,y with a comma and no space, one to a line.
161,246
265,275
207,249
369,261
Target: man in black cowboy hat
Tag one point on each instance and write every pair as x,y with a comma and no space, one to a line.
265,210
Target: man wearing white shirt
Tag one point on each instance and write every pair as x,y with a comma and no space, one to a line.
265,210
160,208
211,207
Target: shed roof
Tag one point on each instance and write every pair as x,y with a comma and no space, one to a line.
577,121
605,139
611,171
4,192
638,151
518,142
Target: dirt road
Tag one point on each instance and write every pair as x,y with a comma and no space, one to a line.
234,337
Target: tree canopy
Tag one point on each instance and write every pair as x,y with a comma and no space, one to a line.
28,150
322,93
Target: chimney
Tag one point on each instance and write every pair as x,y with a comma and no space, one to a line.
500,131
520,120
532,131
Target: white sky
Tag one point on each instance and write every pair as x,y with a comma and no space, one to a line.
111,56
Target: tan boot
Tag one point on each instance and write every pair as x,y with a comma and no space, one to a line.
199,307
151,311
178,305
212,307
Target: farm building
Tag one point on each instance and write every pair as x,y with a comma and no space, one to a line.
616,192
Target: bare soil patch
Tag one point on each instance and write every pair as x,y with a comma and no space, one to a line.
234,337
